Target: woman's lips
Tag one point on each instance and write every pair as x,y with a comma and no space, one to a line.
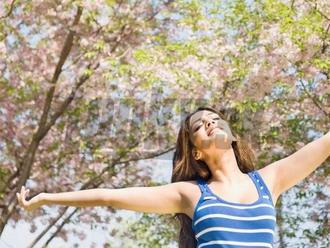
211,132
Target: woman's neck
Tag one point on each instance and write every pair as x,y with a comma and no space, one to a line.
224,167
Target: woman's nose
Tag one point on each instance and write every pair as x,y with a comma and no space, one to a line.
208,122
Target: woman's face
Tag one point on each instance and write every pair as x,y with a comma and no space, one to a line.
207,128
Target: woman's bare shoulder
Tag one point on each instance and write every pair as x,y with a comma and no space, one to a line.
187,184
188,188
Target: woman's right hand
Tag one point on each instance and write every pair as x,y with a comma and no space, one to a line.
30,205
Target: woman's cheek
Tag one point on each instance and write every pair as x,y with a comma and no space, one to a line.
203,135
199,139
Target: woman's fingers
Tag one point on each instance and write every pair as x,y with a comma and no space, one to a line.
21,196
23,192
29,205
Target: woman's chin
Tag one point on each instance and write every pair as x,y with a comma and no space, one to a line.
221,140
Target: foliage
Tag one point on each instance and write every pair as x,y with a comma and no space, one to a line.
88,85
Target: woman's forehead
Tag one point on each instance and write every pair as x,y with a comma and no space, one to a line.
199,114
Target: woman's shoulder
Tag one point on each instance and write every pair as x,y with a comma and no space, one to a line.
188,187
191,193
185,184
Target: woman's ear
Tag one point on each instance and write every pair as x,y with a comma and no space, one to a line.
196,154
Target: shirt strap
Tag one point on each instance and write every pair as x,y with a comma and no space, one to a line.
202,184
262,185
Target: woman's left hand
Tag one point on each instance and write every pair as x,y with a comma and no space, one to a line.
30,205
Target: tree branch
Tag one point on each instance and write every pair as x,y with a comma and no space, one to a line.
317,9
59,228
10,10
36,138
315,101
67,101
64,55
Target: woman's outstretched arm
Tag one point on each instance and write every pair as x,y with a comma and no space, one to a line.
164,199
289,171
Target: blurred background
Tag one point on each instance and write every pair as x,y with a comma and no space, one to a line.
92,94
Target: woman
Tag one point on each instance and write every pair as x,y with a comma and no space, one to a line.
216,193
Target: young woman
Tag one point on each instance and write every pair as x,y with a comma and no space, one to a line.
216,193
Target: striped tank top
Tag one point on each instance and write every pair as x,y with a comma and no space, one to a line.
218,223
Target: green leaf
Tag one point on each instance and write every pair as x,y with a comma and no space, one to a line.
142,56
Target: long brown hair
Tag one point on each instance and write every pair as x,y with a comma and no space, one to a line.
186,168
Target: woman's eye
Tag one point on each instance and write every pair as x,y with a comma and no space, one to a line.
217,118
197,128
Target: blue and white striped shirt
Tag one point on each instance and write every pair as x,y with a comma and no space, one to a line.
219,223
